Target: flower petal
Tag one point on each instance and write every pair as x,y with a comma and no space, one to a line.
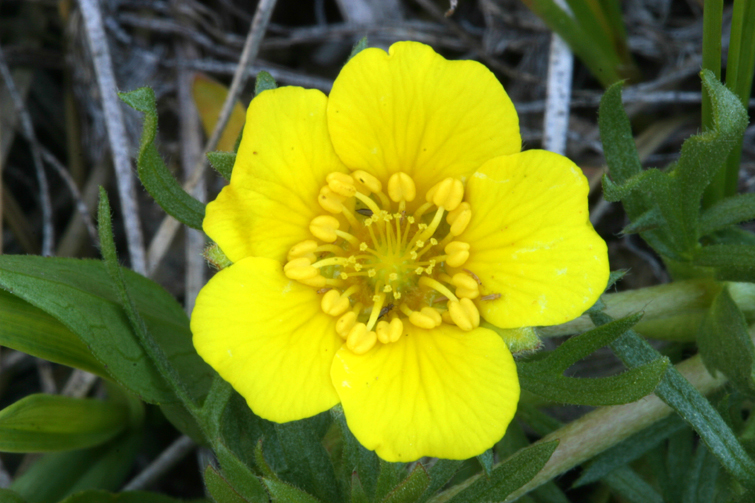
284,157
266,335
532,242
412,110
441,392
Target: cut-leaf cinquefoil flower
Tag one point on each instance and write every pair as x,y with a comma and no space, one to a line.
371,232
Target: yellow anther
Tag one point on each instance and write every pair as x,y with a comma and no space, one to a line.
459,218
324,228
433,241
352,259
427,318
366,183
387,288
401,188
389,332
453,215
357,267
420,244
458,253
334,304
360,340
330,201
345,323
363,247
396,295
466,286
393,276
343,275
341,183
419,270
318,281
300,268
371,273
410,219
413,255
464,314
304,249
447,194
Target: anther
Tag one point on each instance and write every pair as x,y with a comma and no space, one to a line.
360,340
300,268
401,187
341,183
345,323
464,313
427,318
459,218
330,201
366,183
334,303
458,253
466,285
304,249
447,193
389,332
324,228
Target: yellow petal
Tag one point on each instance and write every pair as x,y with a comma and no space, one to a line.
411,110
531,240
281,165
268,337
440,392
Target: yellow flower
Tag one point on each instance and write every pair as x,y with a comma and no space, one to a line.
370,232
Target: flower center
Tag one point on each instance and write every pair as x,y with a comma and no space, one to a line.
379,267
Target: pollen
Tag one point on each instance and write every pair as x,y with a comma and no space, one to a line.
368,244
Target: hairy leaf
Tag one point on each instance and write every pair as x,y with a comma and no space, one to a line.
411,488
222,162
730,211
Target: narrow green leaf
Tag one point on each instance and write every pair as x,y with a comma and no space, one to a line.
486,461
125,497
390,476
629,450
649,220
702,477
261,462
222,162
612,390
725,343
357,491
355,456
239,476
549,493
509,475
616,135
631,487
264,82
678,457
8,496
220,490
440,474
44,423
732,262
79,294
730,211
681,396
411,488
30,330
358,47
281,492
214,405
307,459
153,173
65,473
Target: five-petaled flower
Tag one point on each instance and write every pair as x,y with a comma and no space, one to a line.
370,233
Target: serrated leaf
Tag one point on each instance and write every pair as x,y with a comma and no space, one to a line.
264,82
358,47
45,423
725,343
681,396
411,488
124,497
509,475
222,162
280,492
239,476
30,330
308,462
209,96
730,211
79,294
153,173
219,489
629,450
355,456
64,473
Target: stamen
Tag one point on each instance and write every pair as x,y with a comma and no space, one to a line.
330,261
459,219
300,268
360,339
330,201
389,332
458,253
368,202
366,183
464,313
427,318
437,286
401,187
325,228
447,194
341,183
421,211
466,285
376,308
303,249
348,237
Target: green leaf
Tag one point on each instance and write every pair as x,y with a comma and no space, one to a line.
631,487
730,211
184,422
239,476
681,396
389,477
616,135
220,490
357,491
649,220
358,47
264,82
125,497
732,262
629,450
355,456
222,162
702,477
8,496
509,475
725,343
79,294
411,488
486,461
64,473
308,461
285,493
153,173
214,405
30,330
44,423
440,474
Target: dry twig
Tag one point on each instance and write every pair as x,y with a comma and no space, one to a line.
164,462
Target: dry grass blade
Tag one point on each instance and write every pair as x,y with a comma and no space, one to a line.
164,462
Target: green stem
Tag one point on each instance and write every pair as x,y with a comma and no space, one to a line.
712,14
672,311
